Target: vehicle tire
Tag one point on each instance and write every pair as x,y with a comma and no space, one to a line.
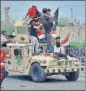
37,73
5,73
72,76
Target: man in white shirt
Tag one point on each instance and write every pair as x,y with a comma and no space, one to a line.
4,38
57,49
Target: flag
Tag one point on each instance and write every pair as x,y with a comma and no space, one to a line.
65,42
41,34
56,16
53,34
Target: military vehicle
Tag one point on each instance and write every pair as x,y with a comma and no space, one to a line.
38,66
20,59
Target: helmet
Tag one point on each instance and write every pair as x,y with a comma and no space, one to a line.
44,10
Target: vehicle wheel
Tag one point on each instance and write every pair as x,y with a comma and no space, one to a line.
5,73
37,73
72,76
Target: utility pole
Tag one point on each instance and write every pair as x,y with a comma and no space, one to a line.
71,11
7,17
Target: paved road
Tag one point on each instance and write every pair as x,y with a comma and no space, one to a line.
18,82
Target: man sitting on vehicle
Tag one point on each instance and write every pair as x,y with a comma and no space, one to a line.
57,49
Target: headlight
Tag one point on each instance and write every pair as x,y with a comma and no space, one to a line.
76,63
44,61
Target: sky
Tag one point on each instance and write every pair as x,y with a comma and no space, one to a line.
18,9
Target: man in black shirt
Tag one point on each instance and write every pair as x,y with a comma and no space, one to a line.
34,37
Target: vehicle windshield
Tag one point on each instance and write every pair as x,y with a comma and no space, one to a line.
22,30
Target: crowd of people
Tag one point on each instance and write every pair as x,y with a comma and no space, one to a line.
76,52
46,25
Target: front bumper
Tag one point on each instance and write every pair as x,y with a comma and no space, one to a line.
63,66
60,70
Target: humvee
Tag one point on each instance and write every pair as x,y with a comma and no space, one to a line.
38,66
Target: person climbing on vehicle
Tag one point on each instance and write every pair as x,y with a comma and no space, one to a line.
32,12
57,49
34,37
48,27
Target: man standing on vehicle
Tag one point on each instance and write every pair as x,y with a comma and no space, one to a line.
33,35
48,27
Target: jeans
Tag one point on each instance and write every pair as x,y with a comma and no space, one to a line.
35,43
48,26
49,42
63,55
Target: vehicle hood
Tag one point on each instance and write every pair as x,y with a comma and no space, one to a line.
42,57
